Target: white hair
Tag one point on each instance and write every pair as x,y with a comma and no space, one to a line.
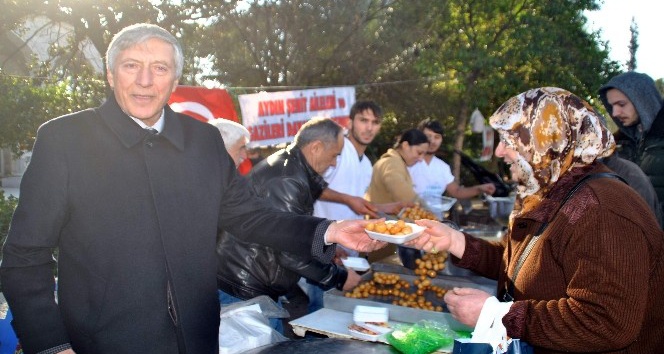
230,131
141,33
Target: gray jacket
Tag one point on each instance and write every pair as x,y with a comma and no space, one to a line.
636,179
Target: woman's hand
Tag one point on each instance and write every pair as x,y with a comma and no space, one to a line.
439,237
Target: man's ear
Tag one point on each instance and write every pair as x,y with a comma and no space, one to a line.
311,148
317,146
110,79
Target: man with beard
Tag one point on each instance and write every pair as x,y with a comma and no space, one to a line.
349,180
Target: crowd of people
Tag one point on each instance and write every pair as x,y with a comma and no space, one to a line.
156,228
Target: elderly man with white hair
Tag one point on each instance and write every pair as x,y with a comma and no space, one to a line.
236,137
132,195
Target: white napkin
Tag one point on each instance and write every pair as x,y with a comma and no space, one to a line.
489,328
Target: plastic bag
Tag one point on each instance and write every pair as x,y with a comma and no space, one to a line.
490,335
422,337
245,325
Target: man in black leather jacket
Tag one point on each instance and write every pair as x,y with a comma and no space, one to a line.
290,180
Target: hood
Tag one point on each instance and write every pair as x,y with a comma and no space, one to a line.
641,90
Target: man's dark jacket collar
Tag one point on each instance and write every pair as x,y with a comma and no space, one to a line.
316,182
131,133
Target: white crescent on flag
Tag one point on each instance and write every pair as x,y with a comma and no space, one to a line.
193,107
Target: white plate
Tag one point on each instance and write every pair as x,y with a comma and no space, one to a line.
356,263
398,239
362,313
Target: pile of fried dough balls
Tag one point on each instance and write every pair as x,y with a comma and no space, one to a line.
393,288
417,212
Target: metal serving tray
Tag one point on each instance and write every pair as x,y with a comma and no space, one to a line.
336,300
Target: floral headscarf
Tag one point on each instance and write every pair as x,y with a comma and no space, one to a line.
553,131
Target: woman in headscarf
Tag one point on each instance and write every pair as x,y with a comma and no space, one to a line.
580,268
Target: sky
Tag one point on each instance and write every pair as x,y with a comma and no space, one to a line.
614,19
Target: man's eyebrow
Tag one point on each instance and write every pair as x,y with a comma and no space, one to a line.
163,62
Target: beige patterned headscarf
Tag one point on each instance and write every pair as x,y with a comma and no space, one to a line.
553,131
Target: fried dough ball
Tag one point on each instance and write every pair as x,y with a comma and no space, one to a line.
398,227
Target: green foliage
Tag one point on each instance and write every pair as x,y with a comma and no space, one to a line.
7,207
26,103
99,20
633,45
482,53
390,130
299,43
660,85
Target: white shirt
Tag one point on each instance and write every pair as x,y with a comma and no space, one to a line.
159,125
430,180
351,176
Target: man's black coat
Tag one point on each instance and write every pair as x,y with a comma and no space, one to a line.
135,218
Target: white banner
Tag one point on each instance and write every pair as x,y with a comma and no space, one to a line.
275,117
487,143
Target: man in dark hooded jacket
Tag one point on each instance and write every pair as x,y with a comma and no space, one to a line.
635,104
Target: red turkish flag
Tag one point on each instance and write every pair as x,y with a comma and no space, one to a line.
203,103
245,167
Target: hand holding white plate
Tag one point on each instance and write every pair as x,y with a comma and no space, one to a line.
397,239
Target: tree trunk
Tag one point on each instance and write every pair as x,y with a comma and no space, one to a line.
461,120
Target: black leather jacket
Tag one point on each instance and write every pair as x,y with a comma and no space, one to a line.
246,270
